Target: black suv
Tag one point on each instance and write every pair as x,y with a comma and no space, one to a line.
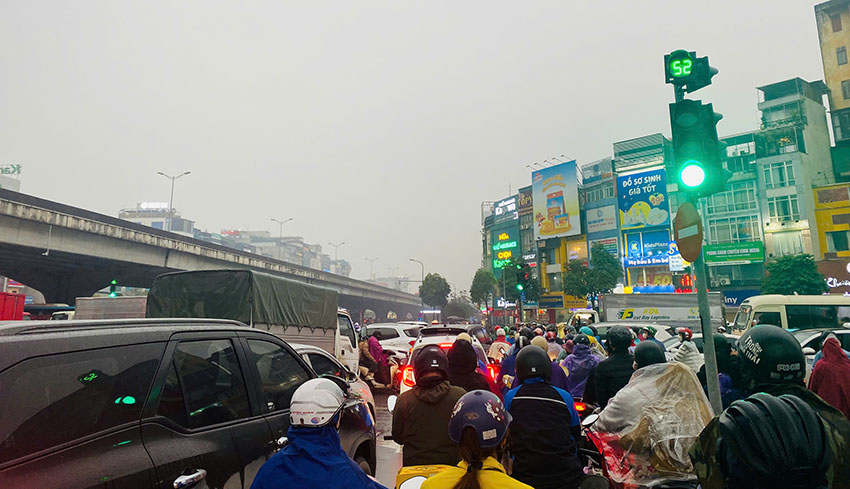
150,404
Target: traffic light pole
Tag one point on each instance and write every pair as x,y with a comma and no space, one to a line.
705,311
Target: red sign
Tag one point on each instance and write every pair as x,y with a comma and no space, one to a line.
688,231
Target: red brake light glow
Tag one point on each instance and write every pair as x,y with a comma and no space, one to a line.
493,370
446,346
580,407
407,376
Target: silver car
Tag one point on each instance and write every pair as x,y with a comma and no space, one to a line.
323,362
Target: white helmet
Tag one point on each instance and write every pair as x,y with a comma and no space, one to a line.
315,403
500,332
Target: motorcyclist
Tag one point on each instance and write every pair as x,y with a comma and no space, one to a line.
422,413
478,426
655,419
687,352
559,376
463,368
500,347
797,457
772,361
579,364
313,457
728,372
552,347
613,373
545,426
507,371
648,334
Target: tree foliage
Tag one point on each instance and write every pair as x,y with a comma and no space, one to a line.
483,284
575,276
605,271
794,274
434,290
459,307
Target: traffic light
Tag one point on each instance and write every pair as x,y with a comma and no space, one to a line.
112,286
683,69
519,287
696,148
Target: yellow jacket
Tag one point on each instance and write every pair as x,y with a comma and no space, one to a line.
491,476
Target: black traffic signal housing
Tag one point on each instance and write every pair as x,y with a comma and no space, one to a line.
683,69
697,151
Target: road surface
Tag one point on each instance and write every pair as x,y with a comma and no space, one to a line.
388,452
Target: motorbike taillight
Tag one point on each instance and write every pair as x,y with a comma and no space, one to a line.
580,407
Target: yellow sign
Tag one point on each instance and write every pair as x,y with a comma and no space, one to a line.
504,255
504,236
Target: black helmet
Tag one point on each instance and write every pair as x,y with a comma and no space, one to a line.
581,339
769,354
619,337
533,362
527,333
649,353
521,342
430,358
775,441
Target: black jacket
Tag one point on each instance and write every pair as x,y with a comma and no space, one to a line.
543,436
420,423
463,365
611,375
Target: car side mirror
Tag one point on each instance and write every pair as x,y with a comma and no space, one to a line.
350,376
808,350
391,402
342,383
588,421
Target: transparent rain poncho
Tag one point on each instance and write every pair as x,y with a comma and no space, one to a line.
646,430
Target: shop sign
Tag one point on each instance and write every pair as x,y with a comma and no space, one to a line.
551,301
505,210
642,199
837,273
11,169
610,245
525,202
734,298
734,253
602,219
647,261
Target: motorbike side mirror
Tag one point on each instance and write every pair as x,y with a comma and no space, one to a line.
391,402
588,421
808,350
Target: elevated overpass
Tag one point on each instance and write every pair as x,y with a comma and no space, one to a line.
67,252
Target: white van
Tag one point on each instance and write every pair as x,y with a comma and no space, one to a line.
793,311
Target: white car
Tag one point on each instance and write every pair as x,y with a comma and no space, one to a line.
323,362
444,336
396,338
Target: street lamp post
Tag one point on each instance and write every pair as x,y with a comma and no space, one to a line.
423,278
171,198
371,263
336,248
280,235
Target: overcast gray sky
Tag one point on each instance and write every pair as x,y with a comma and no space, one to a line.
382,124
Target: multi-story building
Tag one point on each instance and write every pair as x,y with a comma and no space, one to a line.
600,217
157,215
792,153
833,24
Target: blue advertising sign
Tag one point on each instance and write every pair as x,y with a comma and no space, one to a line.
642,199
647,244
656,242
734,298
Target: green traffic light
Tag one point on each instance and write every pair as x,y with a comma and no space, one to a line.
114,282
693,175
113,294
519,287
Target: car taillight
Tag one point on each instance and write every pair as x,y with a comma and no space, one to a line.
580,407
493,370
446,346
407,377
412,342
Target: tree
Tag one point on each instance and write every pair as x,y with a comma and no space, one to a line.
794,274
575,278
605,271
458,307
483,284
434,290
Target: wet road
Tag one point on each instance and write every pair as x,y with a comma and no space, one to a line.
388,452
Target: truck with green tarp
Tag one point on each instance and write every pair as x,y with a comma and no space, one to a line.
295,311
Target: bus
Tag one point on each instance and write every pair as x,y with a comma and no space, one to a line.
794,311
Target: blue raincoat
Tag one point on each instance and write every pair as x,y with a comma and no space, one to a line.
313,459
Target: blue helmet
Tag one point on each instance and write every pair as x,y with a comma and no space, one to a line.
484,413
